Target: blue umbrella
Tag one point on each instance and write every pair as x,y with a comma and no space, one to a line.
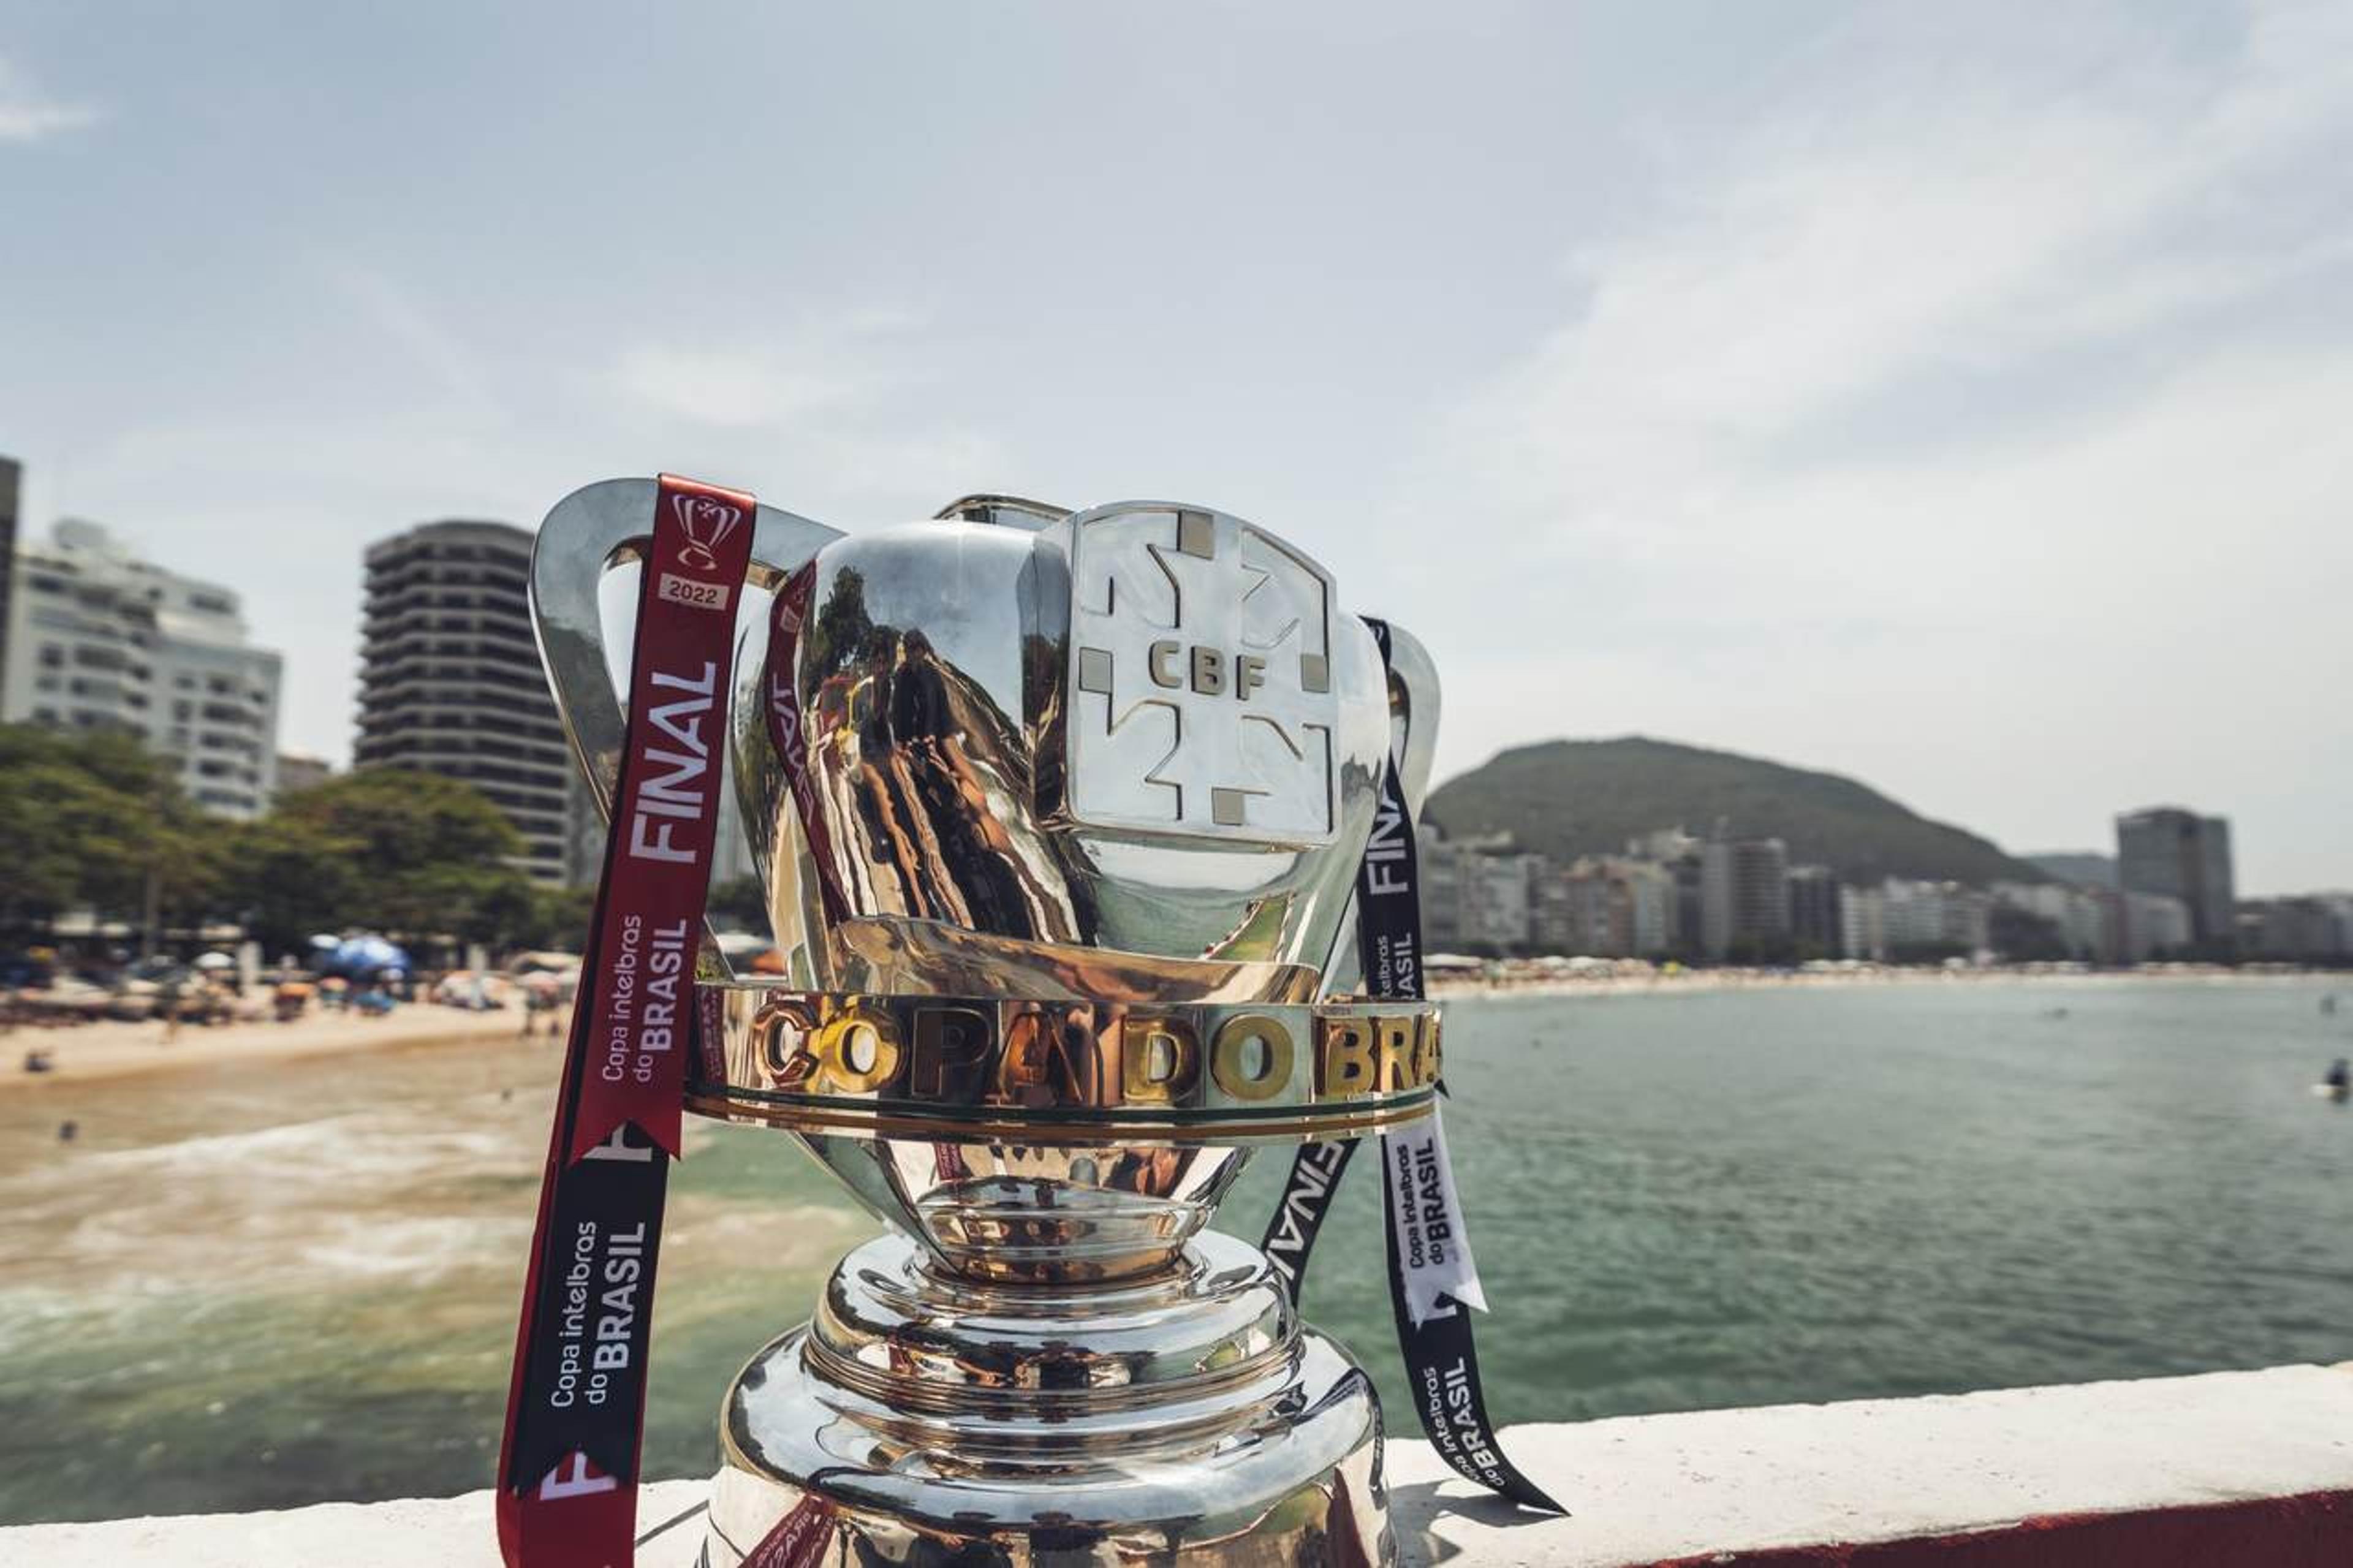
363,956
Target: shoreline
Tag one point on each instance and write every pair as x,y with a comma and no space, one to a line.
111,1049
1696,982
108,1050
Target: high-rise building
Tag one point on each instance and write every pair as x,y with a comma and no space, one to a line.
11,476
1814,923
103,640
1687,924
1476,893
1496,906
2177,854
450,680
1439,864
1603,907
1863,923
1743,896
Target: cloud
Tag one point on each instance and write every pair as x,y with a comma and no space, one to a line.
735,389
402,315
846,361
1981,393
1911,232
28,116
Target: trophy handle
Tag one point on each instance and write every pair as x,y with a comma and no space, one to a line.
1413,713
585,627
1413,742
1007,511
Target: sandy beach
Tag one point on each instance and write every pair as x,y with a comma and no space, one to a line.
110,1048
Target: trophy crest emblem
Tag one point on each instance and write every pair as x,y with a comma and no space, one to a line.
1201,680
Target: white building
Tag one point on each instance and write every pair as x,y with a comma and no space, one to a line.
1495,905
99,639
2081,918
1863,923
2154,926
1936,916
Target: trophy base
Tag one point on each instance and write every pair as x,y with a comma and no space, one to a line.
922,1420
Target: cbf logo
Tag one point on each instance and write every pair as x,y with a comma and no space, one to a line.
1200,678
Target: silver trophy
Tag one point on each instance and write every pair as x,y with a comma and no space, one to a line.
1060,819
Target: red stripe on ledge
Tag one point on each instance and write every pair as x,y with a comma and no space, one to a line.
2314,1530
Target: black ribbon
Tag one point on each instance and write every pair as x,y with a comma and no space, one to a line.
596,1275
1440,1357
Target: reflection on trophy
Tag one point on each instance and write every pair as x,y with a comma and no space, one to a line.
1060,819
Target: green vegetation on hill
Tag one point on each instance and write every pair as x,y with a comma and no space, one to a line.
1566,798
2086,868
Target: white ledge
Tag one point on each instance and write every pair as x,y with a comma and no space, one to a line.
1645,1489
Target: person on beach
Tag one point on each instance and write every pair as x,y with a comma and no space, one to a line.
167,1001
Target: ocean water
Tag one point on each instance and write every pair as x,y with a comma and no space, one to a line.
263,1286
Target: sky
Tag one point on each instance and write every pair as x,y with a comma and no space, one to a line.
1953,397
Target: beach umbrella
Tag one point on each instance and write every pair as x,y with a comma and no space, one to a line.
365,955
215,961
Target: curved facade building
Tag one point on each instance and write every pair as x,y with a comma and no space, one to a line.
104,640
450,680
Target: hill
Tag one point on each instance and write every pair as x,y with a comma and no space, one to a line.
1566,798
2086,868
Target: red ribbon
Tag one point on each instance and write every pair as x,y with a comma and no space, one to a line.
579,1370
799,1539
665,814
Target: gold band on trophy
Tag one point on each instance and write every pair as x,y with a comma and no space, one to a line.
988,1066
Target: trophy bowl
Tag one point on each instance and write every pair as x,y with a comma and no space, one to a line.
1059,818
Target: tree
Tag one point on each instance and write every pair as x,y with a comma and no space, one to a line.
291,877
559,919
413,856
86,819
